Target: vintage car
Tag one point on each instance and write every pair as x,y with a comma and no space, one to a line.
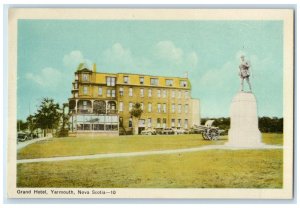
148,131
180,130
22,137
168,131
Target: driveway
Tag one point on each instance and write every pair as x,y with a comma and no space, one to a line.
21,145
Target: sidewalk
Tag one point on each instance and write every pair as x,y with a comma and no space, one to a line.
145,153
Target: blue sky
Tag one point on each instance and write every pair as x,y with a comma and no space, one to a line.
50,50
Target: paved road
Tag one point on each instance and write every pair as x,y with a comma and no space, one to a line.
21,145
134,154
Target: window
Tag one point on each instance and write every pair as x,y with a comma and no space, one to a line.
76,77
85,90
142,92
85,77
179,94
121,106
130,91
121,91
158,93
142,106
149,121
126,79
169,82
164,93
113,93
186,95
158,123
130,106
149,107
76,94
150,93
173,108
75,85
158,107
84,105
110,81
108,93
164,108
173,93
179,108
179,123
173,122
141,80
183,83
186,108
130,123
185,123
154,81
100,91
164,122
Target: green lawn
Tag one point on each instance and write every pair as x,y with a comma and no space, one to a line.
72,146
205,169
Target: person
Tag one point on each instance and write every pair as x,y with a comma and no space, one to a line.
244,73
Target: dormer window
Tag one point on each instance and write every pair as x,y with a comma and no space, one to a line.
85,77
183,83
126,79
169,82
154,81
141,80
110,81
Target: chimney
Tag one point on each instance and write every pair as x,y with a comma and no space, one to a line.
94,68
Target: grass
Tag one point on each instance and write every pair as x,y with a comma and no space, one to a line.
272,138
73,146
205,169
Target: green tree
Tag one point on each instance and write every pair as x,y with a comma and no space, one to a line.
48,115
136,112
63,131
32,125
21,125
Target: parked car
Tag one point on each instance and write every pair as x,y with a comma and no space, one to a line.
159,130
22,137
180,130
33,135
148,131
168,131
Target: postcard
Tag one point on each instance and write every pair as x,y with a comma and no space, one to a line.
150,103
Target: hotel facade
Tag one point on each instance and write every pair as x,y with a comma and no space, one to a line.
101,102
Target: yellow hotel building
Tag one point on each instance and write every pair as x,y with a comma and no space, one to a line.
101,102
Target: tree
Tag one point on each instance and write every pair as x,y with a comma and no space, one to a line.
48,115
21,125
32,125
136,112
64,130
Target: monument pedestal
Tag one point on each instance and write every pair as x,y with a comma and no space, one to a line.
244,130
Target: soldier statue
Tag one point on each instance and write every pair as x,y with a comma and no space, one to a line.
244,72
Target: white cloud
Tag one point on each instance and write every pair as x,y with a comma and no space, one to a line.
169,54
74,58
167,51
48,77
192,59
164,55
118,54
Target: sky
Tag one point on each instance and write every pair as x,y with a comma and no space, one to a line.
49,52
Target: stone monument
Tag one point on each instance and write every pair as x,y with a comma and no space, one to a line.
244,130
